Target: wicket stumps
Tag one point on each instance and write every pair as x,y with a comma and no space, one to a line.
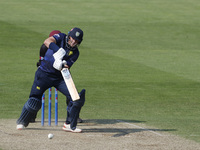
49,108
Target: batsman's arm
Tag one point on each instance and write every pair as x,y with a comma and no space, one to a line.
59,53
49,40
50,43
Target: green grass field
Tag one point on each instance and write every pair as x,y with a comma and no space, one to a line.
139,59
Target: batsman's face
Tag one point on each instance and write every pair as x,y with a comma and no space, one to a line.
72,42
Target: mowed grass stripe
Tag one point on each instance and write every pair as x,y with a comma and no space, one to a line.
183,63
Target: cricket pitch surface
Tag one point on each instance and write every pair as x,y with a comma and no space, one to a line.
96,135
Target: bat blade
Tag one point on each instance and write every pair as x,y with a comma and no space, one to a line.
70,84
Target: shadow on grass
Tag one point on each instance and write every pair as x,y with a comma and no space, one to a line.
121,131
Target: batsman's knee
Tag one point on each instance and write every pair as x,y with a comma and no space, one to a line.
33,105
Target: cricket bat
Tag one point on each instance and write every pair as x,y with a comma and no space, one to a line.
70,84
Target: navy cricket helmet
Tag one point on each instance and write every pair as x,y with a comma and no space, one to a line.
77,34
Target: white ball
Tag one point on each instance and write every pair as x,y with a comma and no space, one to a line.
50,136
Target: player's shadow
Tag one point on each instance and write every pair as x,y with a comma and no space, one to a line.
127,127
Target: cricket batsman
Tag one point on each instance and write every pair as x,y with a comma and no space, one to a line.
43,50
62,53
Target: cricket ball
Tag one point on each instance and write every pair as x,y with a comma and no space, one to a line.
50,136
